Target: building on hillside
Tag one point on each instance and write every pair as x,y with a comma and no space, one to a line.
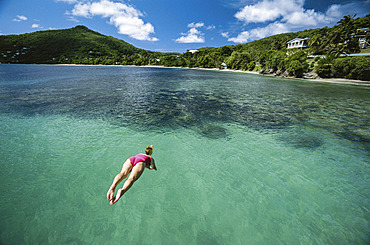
193,51
223,65
361,37
298,43
363,42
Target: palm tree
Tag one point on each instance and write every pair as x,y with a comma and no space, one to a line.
316,43
347,20
341,38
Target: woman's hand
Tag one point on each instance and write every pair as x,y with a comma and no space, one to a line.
152,165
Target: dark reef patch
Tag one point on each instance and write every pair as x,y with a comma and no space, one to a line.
302,140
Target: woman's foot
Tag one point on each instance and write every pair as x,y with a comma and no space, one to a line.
110,194
117,197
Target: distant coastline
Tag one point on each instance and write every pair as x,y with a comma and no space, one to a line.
320,59
318,79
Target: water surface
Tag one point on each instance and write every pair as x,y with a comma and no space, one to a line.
242,159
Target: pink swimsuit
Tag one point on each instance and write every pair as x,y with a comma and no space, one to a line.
140,158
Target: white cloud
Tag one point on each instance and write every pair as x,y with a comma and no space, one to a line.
81,9
268,10
290,15
225,34
126,18
287,11
193,36
20,18
67,1
243,37
72,18
337,11
201,24
334,11
196,25
261,32
306,18
36,26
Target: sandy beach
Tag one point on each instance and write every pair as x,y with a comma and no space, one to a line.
341,80
326,80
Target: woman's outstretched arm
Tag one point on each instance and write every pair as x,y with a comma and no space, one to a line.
152,165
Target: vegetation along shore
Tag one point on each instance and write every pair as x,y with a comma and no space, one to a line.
334,54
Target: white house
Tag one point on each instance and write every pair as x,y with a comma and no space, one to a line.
298,43
223,65
193,51
363,42
361,37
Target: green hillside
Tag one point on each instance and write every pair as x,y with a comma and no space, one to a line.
75,45
270,55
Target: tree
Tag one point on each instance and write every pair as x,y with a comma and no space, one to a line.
277,44
324,66
341,67
138,62
360,68
341,39
233,60
315,43
205,62
276,60
295,68
225,51
251,65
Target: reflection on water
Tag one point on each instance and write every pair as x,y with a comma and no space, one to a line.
167,99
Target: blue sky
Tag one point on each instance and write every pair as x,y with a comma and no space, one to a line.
177,25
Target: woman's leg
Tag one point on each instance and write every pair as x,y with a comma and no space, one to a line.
126,168
135,175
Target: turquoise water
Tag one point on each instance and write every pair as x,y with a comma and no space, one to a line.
242,159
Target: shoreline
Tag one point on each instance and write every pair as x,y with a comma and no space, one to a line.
340,81
319,79
323,80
